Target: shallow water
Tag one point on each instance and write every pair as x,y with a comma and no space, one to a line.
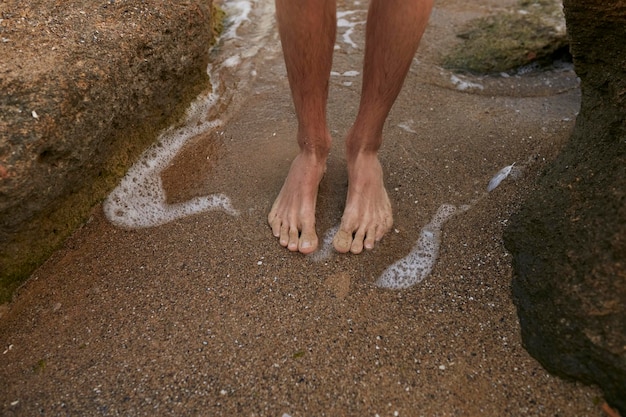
140,198
250,38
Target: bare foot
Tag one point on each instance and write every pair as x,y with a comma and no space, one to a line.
292,217
367,215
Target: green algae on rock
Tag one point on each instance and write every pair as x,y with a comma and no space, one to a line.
533,33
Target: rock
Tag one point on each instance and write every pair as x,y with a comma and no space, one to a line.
531,34
86,86
569,239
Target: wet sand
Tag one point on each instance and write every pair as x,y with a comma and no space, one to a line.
208,315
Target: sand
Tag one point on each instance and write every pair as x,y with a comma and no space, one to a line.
207,315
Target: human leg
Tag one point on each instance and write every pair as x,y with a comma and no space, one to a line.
307,32
394,29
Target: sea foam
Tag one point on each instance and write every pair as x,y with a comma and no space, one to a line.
139,200
326,248
419,263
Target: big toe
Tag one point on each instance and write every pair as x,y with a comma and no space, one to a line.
342,241
308,243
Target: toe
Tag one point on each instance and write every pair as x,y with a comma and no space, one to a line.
275,229
308,240
342,241
383,228
307,244
274,223
370,239
293,239
357,243
284,235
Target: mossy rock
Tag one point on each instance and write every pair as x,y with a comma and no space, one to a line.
73,130
507,41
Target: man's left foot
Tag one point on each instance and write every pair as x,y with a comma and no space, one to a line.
367,215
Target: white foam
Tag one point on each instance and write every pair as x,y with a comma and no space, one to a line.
351,73
419,263
139,200
238,12
347,38
231,62
342,13
499,177
344,23
326,249
464,84
406,126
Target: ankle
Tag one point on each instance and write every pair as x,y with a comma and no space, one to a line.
317,146
356,155
362,144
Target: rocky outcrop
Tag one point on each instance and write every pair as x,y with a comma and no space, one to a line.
86,86
529,35
569,239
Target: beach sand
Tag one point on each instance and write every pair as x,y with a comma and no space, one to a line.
208,315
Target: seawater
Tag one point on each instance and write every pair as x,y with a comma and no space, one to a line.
139,200
418,264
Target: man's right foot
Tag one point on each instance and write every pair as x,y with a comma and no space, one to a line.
292,217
